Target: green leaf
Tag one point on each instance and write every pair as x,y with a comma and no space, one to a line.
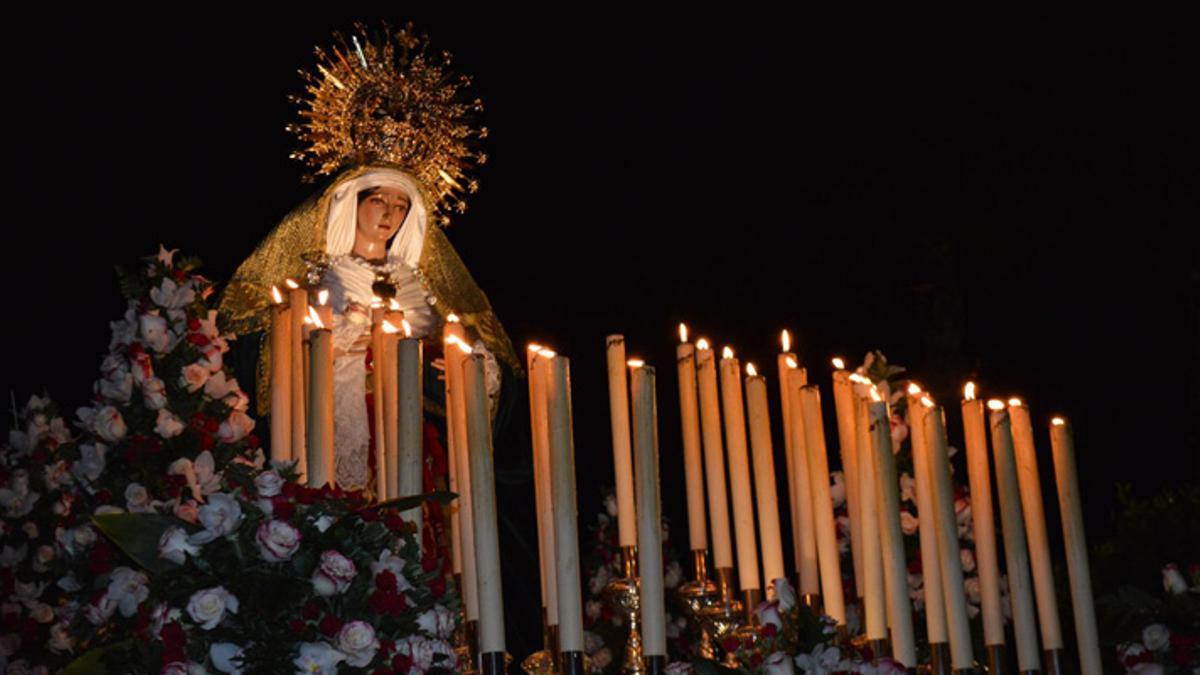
137,535
92,662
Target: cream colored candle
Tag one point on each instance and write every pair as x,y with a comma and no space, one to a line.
1016,555
651,594
984,522
739,472
895,569
320,395
874,598
946,525
562,478
1035,525
455,350
539,372
764,479
818,466
618,408
1067,477
931,573
785,362
483,507
379,369
456,558
714,456
689,419
281,381
409,470
843,400
387,457
298,302
804,530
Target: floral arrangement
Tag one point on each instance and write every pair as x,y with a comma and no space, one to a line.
153,537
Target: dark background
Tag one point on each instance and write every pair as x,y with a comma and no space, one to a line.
1019,210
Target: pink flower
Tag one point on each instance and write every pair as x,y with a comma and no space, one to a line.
334,575
908,522
236,427
194,376
168,425
358,642
277,540
108,424
155,332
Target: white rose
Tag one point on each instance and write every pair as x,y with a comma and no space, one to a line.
220,517
60,638
91,462
334,575
673,574
421,650
116,386
768,613
218,386
41,612
908,488
324,522
277,540
908,522
128,588
395,565
174,545
155,333
837,488
137,499
967,557
602,658
1148,669
778,663
212,355
1173,581
194,376
208,607
974,589
318,658
207,476
226,657
168,425
57,475
437,622
358,642
785,594
610,505
108,424
100,611
125,330
1156,637
170,295
269,483
235,427
154,393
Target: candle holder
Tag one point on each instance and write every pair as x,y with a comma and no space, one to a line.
467,650
545,661
939,658
1052,662
995,660
696,595
723,617
494,663
622,594
573,663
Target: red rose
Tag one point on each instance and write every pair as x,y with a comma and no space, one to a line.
197,339
282,507
729,644
395,523
330,625
401,663
756,660
297,626
429,561
252,441
438,587
311,611
100,558
768,630
386,582
105,497
173,638
369,515
387,646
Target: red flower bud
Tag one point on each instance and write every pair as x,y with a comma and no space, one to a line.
330,625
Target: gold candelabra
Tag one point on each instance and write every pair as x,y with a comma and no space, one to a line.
622,594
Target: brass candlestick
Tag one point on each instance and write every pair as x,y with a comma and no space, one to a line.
723,617
544,662
622,594
698,594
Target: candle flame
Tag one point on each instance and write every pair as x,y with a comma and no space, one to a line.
727,353
323,297
635,363
394,305
307,320
786,339
376,301
995,404
389,328
860,379
791,363
316,318
702,344
534,347
1058,422
407,327
683,332
751,370
969,391
455,340
547,353
452,318
1015,402
927,402
277,295
838,363
291,284
875,395
913,388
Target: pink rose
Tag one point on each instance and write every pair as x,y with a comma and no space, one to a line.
154,392
194,376
358,642
109,424
334,575
269,483
236,427
277,540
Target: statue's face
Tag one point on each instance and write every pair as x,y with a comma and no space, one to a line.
382,213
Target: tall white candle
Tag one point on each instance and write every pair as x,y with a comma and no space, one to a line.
651,595
931,573
784,363
320,397
539,374
895,569
693,464
483,507
714,456
281,380
410,478
1035,525
298,302
455,349
764,480
387,464
1067,478
983,520
818,466
843,400
739,472
618,407
562,478
946,525
1016,555
874,599
804,530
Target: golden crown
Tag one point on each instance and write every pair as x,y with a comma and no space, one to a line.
387,100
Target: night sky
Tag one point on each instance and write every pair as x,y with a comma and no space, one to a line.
1018,210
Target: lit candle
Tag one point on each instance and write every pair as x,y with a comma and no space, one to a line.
764,478
281,380
379,368
805,529
483,507
739,472
984,522
689,418
539,371
874,599
387,453
895,569
843,400
714,455
455,350
409,468
1035,525
931,574
1016,555
298,302
1066,473
562,476
784,363
818,466
651,595
946,525
320,405
618,407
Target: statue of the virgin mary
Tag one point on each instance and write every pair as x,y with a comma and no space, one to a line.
391,124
